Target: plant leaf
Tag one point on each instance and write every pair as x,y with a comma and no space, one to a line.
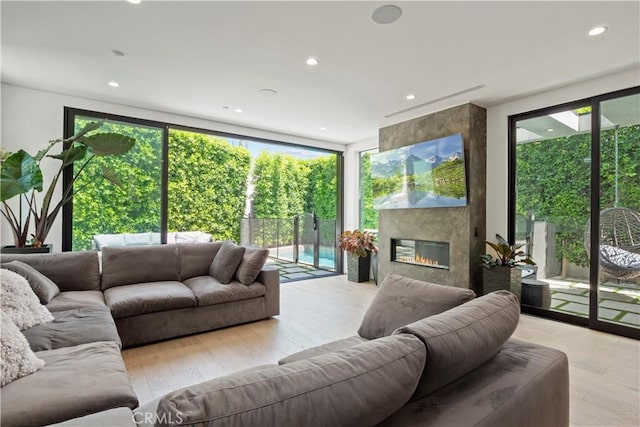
71,155
20,174
501,240
89,127
108,144
111,176
4,154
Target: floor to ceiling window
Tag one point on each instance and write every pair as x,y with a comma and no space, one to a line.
575,206
181,184
368,215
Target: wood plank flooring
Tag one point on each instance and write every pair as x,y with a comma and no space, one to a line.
604,369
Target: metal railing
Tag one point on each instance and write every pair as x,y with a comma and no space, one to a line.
304,239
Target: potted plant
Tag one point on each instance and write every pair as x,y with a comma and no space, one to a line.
21,177
502,272
359,246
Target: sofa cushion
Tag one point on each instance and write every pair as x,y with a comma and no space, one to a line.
196,258
461,339
74,382
526,384
73,327
141,298
120,417
101,241
226,262
209,290
20,303
76,299
252,262
41,285
17,357
124,266
71,271
401,300
323,349
358,386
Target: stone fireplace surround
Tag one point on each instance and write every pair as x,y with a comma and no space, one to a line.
462,227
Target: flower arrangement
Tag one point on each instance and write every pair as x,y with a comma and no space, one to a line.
358,243
507,255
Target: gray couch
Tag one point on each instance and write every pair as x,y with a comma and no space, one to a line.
143,295
425,355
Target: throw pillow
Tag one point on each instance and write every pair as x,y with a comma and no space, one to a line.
252,262
226,262
18,360
20,303
463,338
401,301
43,287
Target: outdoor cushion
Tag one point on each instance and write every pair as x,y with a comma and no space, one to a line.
41,285
76,299
463,338
252,262
124,266
192,237
358,386
74,382
401,300
137,239
17,357
208,290
20,303
141,298
101,241
196,258
226,262
71,271
73,327
323,349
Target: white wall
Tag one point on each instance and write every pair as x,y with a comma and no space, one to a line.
497,123
30,118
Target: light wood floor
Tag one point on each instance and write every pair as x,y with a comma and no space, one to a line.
604,368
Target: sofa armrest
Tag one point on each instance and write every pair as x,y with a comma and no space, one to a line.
270,278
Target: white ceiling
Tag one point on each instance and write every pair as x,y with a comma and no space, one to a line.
193,58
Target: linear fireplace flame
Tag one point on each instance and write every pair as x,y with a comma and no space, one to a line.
421,252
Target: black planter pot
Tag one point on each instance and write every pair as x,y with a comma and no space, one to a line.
502,278
358,268
26,250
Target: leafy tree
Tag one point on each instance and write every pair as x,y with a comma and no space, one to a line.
207,184
105,208
321,194
553,180
368,215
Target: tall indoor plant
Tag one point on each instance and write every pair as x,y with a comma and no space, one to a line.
359,246
501,271
21,177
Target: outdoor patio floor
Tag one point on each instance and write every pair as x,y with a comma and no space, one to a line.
291,272
616,303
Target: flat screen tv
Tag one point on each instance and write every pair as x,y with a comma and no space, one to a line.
425,175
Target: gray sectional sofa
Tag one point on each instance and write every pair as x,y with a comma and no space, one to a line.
425,355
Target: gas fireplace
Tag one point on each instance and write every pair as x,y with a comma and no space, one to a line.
421,252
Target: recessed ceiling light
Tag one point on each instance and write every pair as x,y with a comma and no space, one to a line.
410,96
238,110
134,1
312,61
267,92
323,128
114,84
386,14
596,31
550,130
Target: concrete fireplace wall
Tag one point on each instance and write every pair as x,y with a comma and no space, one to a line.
462,227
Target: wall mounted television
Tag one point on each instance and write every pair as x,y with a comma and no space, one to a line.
425,175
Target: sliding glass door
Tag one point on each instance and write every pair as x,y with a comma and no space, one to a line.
575,207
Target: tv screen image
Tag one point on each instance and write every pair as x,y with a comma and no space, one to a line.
425,175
